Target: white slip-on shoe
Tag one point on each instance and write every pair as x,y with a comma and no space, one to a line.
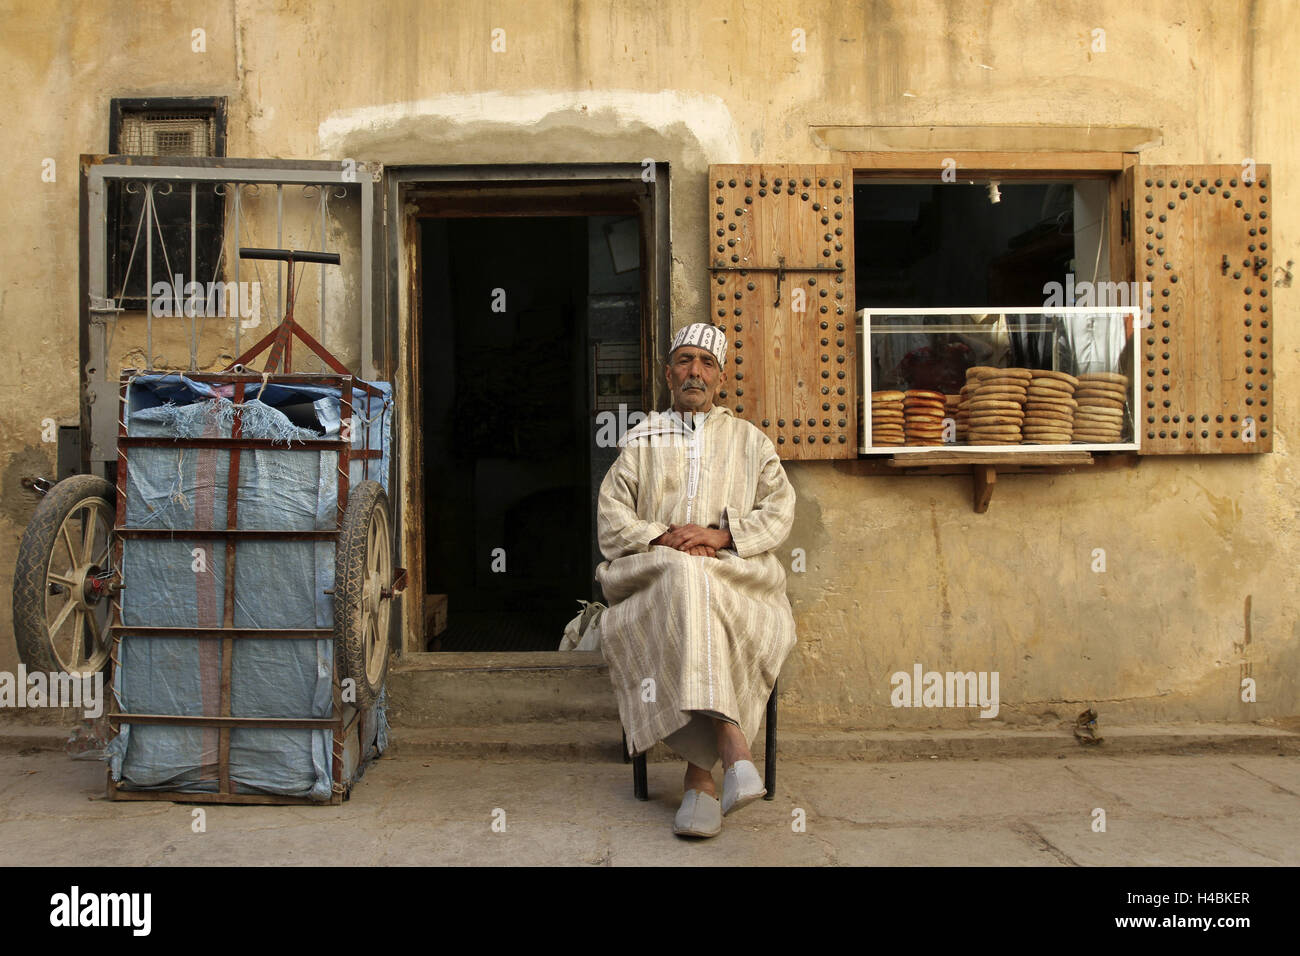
741,786
698,816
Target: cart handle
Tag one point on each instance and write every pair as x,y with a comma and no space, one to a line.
290,255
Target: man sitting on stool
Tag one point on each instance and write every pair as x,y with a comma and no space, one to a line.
698,625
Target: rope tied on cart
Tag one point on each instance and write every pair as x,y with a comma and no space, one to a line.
383,408
177,490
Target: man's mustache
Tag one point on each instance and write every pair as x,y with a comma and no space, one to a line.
694,383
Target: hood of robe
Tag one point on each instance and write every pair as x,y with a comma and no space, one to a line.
670,423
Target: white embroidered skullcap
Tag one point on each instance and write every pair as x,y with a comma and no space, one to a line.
703,335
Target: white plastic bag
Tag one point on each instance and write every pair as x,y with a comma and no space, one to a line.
583,632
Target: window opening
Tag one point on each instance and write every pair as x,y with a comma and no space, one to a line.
990,274
190,127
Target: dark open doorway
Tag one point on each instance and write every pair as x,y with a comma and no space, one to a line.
519,314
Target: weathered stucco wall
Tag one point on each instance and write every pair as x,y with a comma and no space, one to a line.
899,570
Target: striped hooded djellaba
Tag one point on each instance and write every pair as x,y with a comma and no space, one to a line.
690,637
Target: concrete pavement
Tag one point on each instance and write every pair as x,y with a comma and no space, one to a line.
1211,809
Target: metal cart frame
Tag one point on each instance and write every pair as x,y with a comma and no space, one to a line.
279,342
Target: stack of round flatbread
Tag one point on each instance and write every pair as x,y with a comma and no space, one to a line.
963,406
1049,408
887,418
1099,419
995,404
924,412
952,409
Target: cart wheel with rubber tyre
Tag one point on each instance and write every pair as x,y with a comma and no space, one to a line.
363,591
65,581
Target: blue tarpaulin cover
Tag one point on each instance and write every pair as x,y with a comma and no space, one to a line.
278,584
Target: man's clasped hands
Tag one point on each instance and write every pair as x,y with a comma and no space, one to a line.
693,539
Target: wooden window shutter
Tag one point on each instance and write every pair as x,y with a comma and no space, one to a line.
781,285
1202,236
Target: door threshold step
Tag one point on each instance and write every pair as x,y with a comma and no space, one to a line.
594,740
485,690
498,661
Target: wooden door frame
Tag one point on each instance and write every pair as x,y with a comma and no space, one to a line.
563,189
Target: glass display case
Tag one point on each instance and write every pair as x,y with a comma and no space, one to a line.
1047,378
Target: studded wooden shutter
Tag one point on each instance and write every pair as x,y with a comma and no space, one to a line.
781,284
1203,238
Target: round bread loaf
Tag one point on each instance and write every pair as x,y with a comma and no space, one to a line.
1101,391
1052,384
1050,401
1103,377
996,381
1040,373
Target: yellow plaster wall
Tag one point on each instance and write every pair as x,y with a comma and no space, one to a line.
899,569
